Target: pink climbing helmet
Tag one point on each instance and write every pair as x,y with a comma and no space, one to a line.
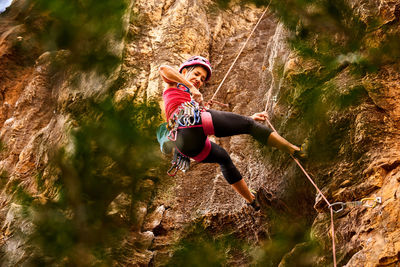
197,60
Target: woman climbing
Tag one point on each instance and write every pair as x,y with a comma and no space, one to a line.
189,124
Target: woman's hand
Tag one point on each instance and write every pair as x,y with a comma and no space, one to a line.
259,116
197,96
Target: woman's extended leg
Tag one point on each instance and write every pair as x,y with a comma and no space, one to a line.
228,124
281,143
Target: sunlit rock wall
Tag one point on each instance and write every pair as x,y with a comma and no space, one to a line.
170,34
355,152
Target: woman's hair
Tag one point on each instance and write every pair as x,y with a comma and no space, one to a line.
191,68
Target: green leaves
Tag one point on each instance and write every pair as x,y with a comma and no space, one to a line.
113,147
88,29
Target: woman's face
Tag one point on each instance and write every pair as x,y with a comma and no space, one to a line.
197,76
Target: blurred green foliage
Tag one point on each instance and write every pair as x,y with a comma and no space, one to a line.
287,232
113,144
112,149
202,247
88,29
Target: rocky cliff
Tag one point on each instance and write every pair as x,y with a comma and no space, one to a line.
351,121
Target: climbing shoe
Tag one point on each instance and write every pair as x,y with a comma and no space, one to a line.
302,154
254,204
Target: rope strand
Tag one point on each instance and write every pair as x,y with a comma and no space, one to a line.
322,195
240,52
270,124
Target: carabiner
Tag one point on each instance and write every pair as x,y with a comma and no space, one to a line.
191,120
196,117
190,104
185,121
187,88
342,205
172,174
172,135
181,121
198,114
366,202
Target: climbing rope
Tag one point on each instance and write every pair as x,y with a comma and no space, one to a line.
238,55
322,195
335,207
298,163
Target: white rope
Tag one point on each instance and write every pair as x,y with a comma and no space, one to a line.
240,52
298,163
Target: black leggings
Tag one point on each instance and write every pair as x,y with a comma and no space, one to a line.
190,141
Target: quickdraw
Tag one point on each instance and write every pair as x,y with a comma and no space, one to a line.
180,162
187,114
365,202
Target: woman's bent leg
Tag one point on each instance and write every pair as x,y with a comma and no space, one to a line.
229,170
243,190
220,156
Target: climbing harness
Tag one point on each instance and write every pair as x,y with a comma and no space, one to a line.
189,114
186,115
365,202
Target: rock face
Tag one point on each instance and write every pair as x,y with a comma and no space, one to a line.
355,152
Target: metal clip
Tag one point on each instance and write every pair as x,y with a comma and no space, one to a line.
192,120
191,104
187,88
185,121
371,202
365,202
341,204
172,135
197,116
170,173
